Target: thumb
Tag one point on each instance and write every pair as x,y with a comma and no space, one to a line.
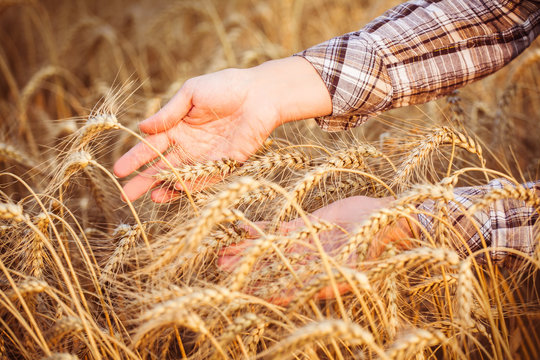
174,111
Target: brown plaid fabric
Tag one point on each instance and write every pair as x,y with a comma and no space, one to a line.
421,50
418,51
498,226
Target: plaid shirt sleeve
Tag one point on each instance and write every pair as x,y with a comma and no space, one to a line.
502,224
418,51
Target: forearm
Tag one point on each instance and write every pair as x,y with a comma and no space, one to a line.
294,86
418,51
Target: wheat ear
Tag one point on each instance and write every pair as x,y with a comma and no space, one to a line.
517,192
215,212
353,157
272,161
95,124
413,342
64,326
362,237
391,295
358,279
195,299
301,188
221,168
38,252
437,138
464,294
414,258
243,269
11,211
28,287
61,356
239,325
127,242
10,153
321,331
433,284
339,188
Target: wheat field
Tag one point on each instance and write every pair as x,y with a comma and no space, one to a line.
85,275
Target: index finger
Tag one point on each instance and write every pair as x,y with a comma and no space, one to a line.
174,111
141,154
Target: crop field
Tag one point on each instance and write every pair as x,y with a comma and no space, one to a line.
86,275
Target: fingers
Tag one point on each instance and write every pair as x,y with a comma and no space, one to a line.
163,195
230,256
170,114
140,154
328,291
140,184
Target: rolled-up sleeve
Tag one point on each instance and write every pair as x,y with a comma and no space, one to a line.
418,51
501,223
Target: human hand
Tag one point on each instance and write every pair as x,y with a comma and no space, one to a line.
347,214
227,114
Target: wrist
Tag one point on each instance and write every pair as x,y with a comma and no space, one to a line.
294,87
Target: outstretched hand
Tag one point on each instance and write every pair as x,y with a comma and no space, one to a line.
227,114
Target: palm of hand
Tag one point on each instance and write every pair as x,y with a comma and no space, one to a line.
204,121
346,213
